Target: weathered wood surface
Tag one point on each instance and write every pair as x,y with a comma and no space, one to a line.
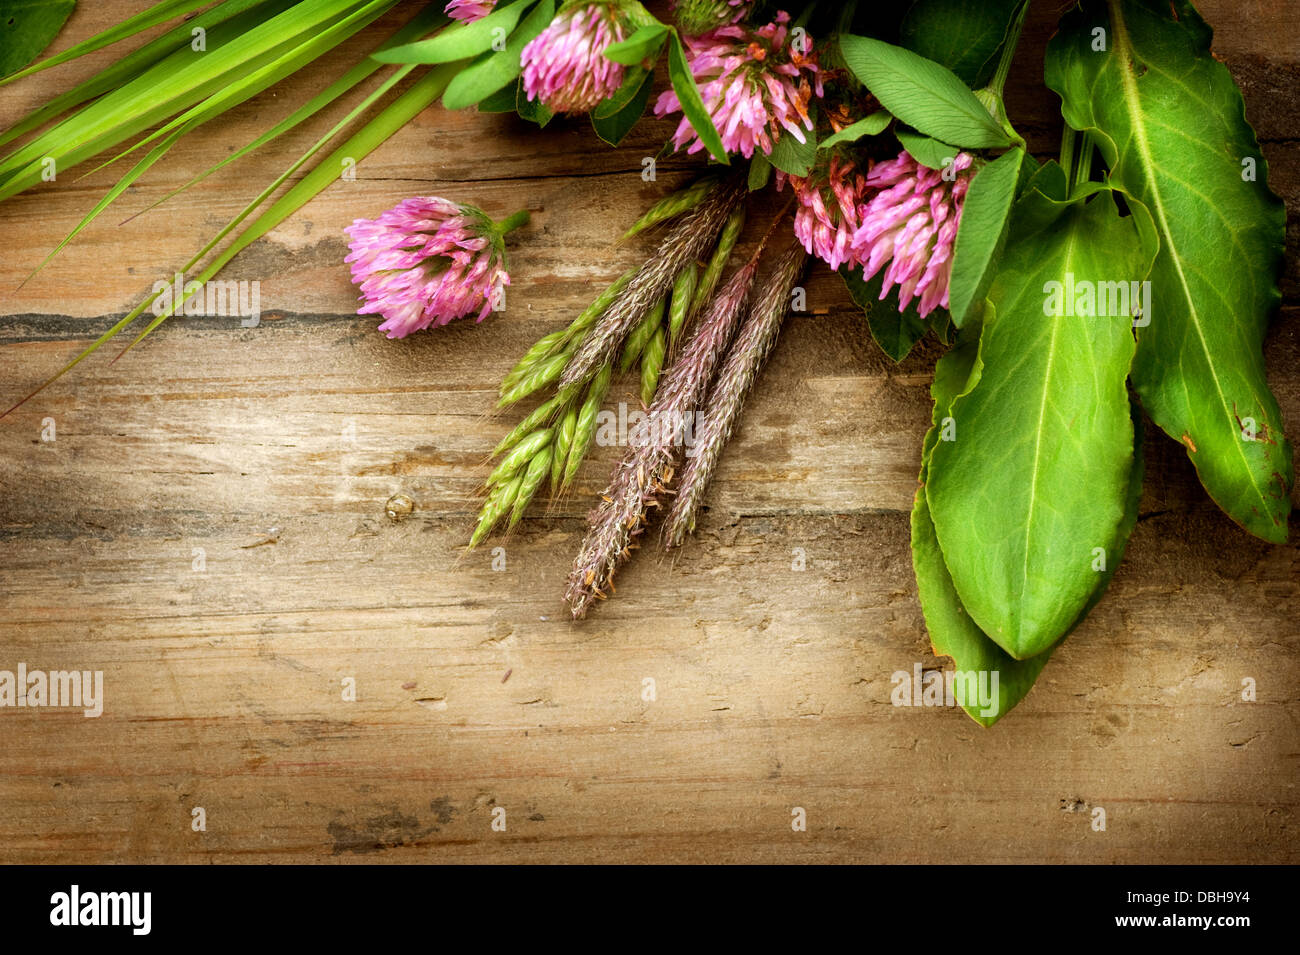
274,450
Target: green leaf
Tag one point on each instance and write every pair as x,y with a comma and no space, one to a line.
1031,480
894,331
119,31
922,93
132,64
460,41
239,90
982,234
533,110
236,48
629,90
642,45
499,68
870,126
1170,123
27,27
963,36
688,94
952,632
422,22
612,128
760,172
421,94
928,152
792,157
502,101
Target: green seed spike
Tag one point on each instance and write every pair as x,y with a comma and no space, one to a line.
582,324
545,373
543,414
683,297
538,468
652,362
521,453
498,503
585,428
563,442
641,335
543,347
556,342
674,205
713,271
566,339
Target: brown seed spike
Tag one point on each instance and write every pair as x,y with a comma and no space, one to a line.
640,479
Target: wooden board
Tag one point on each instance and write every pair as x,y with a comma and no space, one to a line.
264,457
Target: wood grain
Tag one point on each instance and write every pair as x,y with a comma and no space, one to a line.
274,449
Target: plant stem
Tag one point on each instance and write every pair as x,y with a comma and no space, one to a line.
1009,51
1082,171
1067,150
847,12
511,222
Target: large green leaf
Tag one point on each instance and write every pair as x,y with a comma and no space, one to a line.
499,68
461,40
1027,490
27,27
688,95
952,632
963,36
985,222
130,26
1170,123
922,93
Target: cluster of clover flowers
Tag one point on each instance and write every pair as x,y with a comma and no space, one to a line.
429,261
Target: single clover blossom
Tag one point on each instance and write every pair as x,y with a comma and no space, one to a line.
565,67
756,86
826,219
911,223
427,261
700,16
467,11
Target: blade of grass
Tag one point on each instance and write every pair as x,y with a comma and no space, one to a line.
464,40
133,63
427,19
175,83
421,94
424,92
249,85
156,14
215,105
